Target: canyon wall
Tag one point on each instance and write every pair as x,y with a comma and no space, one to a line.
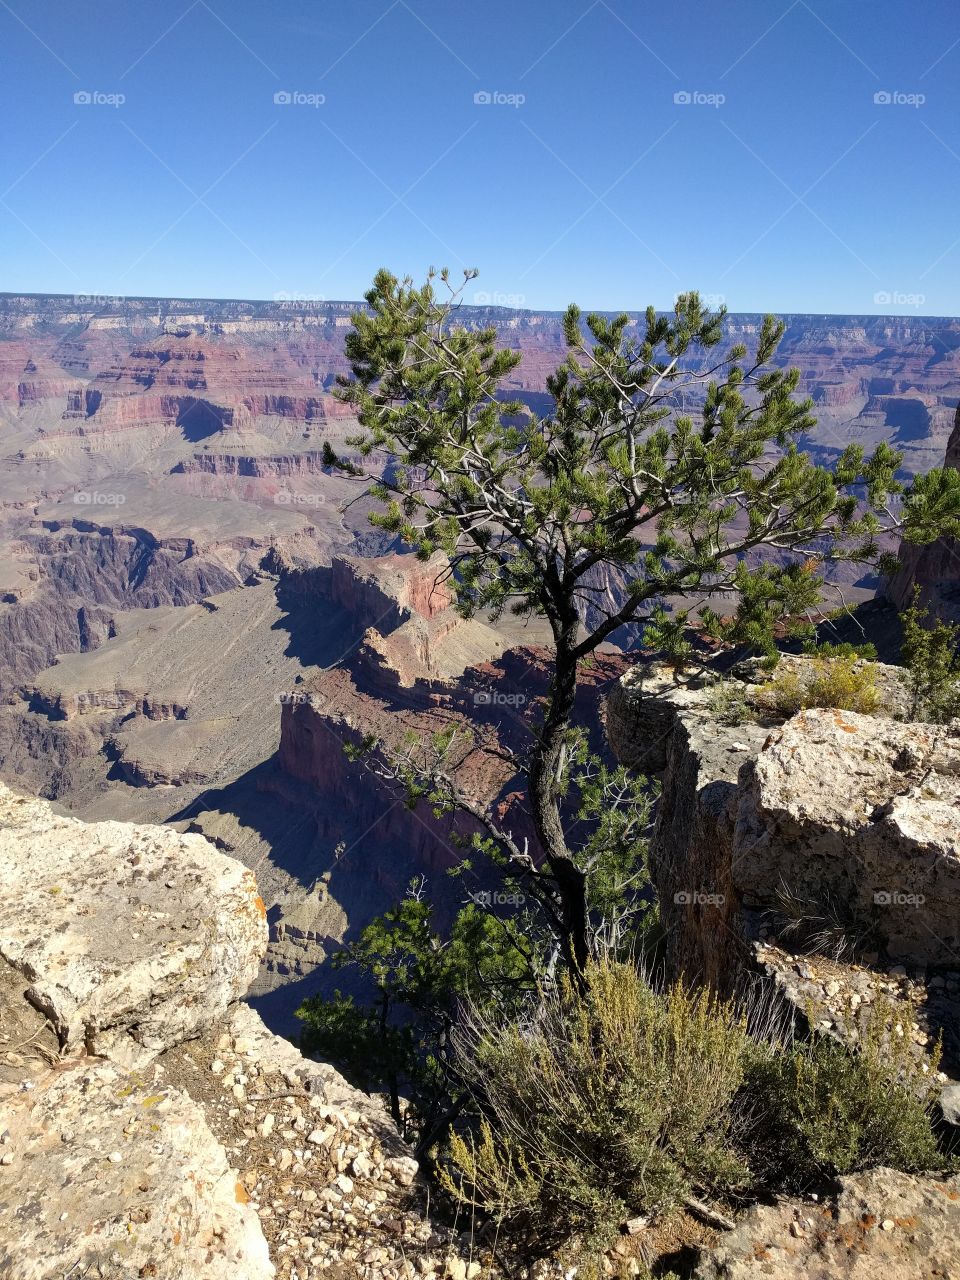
933,570
818,858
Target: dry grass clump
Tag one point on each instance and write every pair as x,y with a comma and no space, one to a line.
848,683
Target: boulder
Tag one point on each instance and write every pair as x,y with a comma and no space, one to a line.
859,811
130,937
950,1105
108,1176
883,1224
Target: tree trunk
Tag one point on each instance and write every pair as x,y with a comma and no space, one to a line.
544,778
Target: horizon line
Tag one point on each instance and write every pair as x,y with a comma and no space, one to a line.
305,303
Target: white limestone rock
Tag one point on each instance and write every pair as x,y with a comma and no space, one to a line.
130,937
114,1177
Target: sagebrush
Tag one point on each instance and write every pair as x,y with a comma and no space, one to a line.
627,1101
822,1109
612,1104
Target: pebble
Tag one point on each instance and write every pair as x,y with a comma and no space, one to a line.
403,1169
324,1194
887,1224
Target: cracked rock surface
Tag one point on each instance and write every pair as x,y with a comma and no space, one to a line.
130,937
884,1224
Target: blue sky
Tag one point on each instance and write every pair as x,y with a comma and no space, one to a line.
781,184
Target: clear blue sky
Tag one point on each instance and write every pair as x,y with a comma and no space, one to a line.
798,192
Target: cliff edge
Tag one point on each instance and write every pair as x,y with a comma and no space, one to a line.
150,1124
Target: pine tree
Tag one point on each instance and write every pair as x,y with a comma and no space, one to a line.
619,478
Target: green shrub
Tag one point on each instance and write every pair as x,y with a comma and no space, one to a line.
931,656
842,649
727,702
847,683
821,1109
615,1103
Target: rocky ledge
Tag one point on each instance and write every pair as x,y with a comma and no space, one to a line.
883,1224
129,938
821,854
150,1124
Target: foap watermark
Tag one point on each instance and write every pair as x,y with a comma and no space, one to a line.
897,298
696,898
497,898
96,299
697,98
287,499
298,98
486,698
92,498
301,299
97,98
497,98
894,898
498,299
292,699
897,98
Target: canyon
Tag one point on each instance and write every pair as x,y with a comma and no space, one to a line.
195,614
196,619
